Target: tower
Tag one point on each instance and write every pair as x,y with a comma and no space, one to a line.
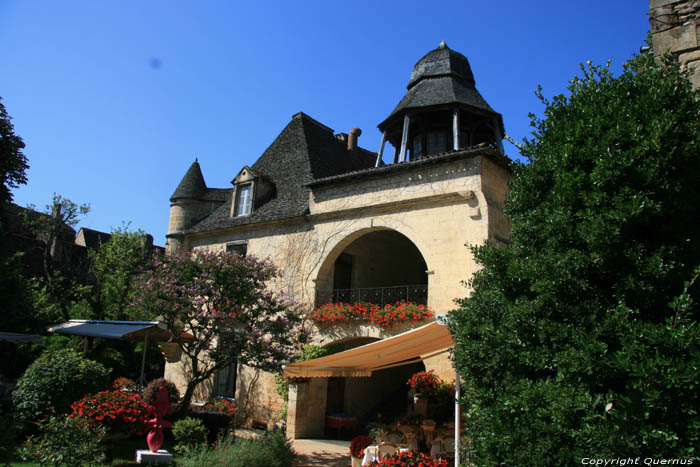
441,111
186,206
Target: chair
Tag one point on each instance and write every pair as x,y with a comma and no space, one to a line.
437,449
387,449
412,440
449,445
428,427
394,436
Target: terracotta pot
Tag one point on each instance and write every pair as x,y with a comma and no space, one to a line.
356,461
154,440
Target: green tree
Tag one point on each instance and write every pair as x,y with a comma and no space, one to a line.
13,163
115,265
64,272
221,300
581,338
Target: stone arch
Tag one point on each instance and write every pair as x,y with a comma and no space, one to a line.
392,245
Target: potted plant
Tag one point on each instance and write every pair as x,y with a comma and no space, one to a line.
357,449
423,384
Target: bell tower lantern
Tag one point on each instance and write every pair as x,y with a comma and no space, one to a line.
441,111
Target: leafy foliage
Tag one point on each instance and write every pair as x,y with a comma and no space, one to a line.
64,442
53,382
13,163
581,338
271,450
115,265
150,392
222,298
189,432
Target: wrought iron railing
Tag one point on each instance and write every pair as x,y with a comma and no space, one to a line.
377,295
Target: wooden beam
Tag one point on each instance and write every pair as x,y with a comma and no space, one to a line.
381,149
455,128
404,137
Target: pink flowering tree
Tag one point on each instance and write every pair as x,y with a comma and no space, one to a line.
221,299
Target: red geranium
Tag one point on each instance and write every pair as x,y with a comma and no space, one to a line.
117,411
358,445
385,317
411,459
424,382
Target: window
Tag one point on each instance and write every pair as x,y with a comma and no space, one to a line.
239,248
244,199
226,381
436,142
417,150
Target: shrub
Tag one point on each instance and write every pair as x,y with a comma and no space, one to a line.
64,441
582,336
56,379
7,437
272,450
115,411
215,422
150,392
188,433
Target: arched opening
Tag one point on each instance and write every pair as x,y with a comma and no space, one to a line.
380,267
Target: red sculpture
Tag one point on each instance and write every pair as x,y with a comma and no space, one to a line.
157,423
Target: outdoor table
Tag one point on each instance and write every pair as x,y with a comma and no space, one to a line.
340,421
372,454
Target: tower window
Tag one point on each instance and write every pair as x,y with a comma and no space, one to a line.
436,142
417,150
244,199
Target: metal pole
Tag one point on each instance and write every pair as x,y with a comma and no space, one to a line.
456,419
143,360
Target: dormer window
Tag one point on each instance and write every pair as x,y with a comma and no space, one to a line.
244,199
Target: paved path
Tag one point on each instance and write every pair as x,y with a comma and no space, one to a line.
322,453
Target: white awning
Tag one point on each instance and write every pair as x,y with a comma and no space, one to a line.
129,330
415,345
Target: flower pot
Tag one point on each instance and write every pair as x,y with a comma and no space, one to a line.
420,404
356,461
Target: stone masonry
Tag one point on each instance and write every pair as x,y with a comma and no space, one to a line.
674,29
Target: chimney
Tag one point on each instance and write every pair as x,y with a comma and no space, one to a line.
352,139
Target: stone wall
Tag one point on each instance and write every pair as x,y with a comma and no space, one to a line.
674,29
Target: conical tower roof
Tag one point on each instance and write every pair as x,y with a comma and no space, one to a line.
192,185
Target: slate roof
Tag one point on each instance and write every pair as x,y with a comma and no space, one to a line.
442,77
305,150
192,185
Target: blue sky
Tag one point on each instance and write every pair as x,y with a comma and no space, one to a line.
115,99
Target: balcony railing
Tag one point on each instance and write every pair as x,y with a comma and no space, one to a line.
377,295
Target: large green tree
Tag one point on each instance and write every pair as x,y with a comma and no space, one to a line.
13,163
581,338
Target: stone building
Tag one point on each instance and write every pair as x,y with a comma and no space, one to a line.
675,30
347,224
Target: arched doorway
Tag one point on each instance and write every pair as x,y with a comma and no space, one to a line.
378,266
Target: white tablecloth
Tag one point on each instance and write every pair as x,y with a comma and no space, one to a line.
372,454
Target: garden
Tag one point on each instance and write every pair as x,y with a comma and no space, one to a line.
65,411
